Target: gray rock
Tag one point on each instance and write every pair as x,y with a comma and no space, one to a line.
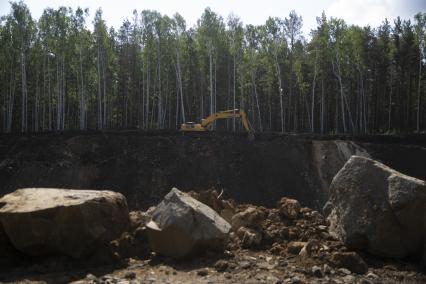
182,226
375,208
40,221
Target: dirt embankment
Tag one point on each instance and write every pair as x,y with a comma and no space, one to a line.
144,166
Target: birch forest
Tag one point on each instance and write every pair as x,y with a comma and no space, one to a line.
68,71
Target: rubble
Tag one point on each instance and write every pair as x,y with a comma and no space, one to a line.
249,238
289,208
349,260
251,217
225,208
263,246
295,247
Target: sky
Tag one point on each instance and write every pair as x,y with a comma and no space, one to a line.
359,12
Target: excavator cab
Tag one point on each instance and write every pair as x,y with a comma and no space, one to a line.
192,126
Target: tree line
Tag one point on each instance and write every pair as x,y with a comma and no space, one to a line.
154,72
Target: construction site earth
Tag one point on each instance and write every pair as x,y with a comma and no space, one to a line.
272,191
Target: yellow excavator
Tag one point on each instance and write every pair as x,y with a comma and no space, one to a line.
206,123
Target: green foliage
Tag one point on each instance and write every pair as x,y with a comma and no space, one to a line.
155,72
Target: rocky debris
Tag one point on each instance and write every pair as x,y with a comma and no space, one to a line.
317,271
309,248
349,260
344,271
377,209
372,275
41,221
267,228
208,197
182,226
130,275
130,244
244,264
251,217
140,218
289,208
221,265
270,248
225,208
249,237
202,272
295,247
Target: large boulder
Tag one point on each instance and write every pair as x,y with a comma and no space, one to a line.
9,255
182,226
40,221
375,208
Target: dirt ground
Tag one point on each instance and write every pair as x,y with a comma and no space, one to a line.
244,266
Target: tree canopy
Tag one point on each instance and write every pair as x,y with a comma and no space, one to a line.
65,71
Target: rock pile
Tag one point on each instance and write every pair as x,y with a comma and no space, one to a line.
225,208
286,231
